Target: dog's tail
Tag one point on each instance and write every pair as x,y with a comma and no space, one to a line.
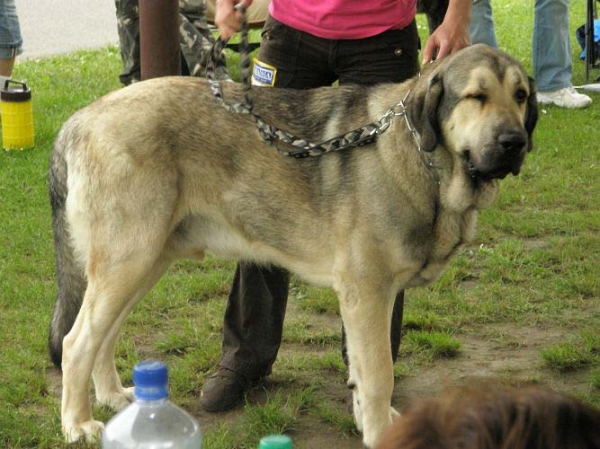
70,272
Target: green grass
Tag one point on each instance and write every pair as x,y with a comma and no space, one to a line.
433,345
595,379
529,283
565,357
583,351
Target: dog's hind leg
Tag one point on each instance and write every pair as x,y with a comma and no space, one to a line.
109,390
366,310
113,287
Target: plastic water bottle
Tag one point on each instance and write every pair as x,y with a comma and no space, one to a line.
152,421
275,442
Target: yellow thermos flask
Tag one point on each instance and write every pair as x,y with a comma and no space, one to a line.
17,116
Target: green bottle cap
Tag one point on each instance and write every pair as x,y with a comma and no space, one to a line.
275,442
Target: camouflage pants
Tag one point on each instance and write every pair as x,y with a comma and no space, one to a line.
196,40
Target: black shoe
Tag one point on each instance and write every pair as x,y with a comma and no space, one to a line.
225,389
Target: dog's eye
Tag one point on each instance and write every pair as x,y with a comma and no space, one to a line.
482,98
521,96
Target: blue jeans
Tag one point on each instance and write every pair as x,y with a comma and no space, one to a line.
552,64
10,31
481,27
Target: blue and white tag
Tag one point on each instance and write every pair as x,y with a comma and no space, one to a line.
263,74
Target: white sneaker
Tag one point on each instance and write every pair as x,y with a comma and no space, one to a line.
564,98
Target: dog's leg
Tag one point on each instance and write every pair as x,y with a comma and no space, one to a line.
109,390
366,310
112,287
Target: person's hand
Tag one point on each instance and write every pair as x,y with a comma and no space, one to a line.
227,18
444,41
452,35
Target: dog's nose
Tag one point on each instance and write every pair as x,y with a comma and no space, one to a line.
512,141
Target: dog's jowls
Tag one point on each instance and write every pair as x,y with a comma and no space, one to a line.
160,171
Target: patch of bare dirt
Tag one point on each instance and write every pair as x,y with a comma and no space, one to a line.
502,354
499,354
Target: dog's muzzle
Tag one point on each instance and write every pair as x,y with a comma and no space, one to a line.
497,160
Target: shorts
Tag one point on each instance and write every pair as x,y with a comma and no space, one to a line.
11,43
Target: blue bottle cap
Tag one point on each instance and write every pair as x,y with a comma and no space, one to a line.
151,379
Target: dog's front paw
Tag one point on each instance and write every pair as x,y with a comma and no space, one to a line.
373,433
129,393
91,431
116,400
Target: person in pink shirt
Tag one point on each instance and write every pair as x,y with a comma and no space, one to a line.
307,44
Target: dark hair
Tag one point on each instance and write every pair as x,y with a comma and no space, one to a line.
494,418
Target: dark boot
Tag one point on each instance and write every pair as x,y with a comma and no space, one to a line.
225,389
251,334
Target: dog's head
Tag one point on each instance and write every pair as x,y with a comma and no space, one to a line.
480,104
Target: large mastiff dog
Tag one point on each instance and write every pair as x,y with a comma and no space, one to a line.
159,171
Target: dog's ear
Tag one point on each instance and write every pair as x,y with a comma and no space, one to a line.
531,113
424,112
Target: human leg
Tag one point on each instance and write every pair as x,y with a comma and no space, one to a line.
552,63
6,66
481,27
251,334
128,19
196,40
10,37
396,329
258,298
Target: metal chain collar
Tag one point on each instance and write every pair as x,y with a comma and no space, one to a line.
297,147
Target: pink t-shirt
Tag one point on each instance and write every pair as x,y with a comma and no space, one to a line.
344,19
